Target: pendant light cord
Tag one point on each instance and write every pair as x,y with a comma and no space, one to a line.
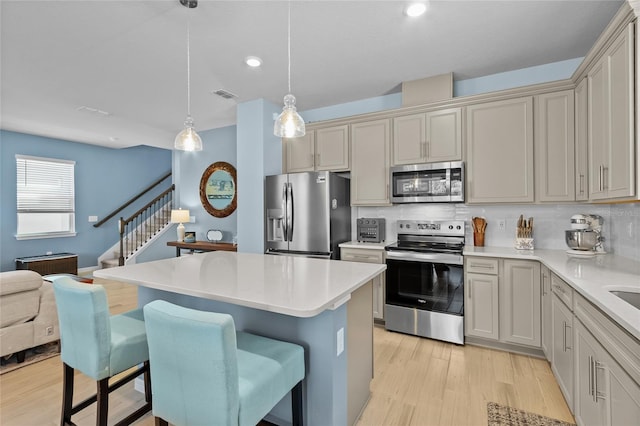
188,64
289,43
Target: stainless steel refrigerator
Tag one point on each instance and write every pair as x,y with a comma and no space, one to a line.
307,214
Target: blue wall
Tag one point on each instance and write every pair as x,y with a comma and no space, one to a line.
104,179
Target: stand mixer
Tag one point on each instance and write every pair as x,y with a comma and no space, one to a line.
585,236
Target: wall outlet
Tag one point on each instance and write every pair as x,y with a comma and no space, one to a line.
340,342
48,331
93,219
192,219
502,224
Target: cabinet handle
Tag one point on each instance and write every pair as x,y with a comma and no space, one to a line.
480,265
601,178
387,192
605,172
422,149
582,183
469,291
597,365
544,287
560,289
426,149
590,375
564,344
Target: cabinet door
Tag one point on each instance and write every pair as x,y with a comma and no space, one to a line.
370,163
481,306
409,140
624,396
589,408
597,132
581,131
554,147
499,147
300,153
332,148
547,334
562,347
520,303
619,176
444,135
370,256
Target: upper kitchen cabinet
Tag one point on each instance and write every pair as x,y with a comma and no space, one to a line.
332,148
581,138
370,149
321,149
554,147
430,137
611,121
499,147
299,153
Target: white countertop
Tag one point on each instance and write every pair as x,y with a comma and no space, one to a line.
295,286
592,277
364,245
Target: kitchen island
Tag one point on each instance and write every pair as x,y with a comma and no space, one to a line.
325,306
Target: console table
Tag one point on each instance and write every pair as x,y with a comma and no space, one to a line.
202,246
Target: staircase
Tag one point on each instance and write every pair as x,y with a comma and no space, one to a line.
140,229
137,239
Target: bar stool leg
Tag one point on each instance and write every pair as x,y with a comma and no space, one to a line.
296,405
103,402
67,394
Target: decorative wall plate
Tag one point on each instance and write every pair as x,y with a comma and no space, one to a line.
214,235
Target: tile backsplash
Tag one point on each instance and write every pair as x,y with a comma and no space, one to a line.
621,228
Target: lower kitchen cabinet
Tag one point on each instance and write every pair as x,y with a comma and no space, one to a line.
503,300
481,306
562,347
520,302
370,255
605,393
546,331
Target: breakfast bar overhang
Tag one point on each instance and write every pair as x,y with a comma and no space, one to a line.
323,305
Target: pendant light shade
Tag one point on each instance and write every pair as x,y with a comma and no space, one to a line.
188,139
289,124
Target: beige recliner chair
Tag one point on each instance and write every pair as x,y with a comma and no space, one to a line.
28,314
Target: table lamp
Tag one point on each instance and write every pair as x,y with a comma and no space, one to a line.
180,216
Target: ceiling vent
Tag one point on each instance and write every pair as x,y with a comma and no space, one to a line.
224,94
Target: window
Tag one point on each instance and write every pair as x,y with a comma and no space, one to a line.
45,197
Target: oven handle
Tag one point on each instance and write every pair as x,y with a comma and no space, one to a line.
448,259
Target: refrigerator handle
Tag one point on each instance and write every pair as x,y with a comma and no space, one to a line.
290,211
285,203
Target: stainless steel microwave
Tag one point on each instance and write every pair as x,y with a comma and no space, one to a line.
428,183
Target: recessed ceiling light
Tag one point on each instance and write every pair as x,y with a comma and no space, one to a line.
253,61
415,9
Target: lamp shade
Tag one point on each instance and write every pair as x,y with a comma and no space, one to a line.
179,216
289,124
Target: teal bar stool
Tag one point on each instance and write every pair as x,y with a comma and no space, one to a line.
203,372
100,346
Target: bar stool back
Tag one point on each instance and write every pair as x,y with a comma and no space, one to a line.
204,372
98,345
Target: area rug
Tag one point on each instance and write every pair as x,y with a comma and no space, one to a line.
33,355
500,415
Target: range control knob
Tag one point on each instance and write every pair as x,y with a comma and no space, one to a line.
450,226
458,227
401,226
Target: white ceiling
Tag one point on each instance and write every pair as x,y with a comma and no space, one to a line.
128,58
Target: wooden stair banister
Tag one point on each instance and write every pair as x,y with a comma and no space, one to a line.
127,203
154,215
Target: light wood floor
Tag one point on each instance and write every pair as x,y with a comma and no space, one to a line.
417,382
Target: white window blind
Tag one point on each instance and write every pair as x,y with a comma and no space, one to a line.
45,197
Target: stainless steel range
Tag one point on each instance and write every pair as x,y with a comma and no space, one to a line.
425,280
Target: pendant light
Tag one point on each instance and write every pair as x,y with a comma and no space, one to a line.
188,139
289,124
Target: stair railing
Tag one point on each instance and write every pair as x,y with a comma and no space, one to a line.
141,226
126,204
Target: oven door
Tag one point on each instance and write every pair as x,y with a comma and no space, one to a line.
426,284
